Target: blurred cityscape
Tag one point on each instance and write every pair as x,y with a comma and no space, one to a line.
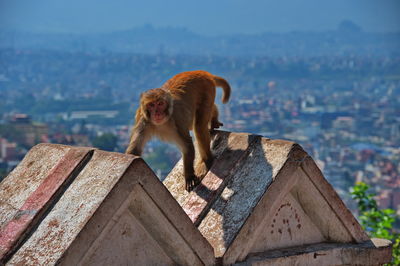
343,108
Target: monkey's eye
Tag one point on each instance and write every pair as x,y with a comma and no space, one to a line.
151,105
160,103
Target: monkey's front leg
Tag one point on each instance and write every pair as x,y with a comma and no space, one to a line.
139,137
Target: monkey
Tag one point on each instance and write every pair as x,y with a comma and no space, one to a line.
183,103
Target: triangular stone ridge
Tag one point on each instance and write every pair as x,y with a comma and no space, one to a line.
237,217
302,217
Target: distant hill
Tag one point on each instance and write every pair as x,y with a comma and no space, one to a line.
150,40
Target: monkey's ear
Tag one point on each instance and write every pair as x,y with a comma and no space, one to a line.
144,112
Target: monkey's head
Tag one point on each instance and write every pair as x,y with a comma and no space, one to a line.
156,106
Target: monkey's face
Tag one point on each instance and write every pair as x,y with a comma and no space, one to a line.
156,105
158,111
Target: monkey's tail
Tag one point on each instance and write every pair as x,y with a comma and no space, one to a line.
220,82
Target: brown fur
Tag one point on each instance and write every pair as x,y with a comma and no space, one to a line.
189,98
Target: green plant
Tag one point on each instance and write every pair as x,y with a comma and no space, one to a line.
376,222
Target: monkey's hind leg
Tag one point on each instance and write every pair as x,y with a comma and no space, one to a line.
184,141
203,140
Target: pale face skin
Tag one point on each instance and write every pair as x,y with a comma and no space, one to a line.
158,114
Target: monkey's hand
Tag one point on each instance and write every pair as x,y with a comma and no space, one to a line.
215,125
191,182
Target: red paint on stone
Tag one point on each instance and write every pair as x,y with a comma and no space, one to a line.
37,201
9,234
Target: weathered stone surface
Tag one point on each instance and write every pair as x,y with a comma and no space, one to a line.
115,212
236,150
30,173
375,252
241,194
284,179
288,226
333,199
263,195
263,202
252,165
61,226
49,185
128,243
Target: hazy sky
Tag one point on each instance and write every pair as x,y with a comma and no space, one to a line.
210,17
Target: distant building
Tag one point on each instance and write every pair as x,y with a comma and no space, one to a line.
88,114
30,133
389,198
328,118
343,122
8,150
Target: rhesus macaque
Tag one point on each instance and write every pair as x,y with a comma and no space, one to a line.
183,103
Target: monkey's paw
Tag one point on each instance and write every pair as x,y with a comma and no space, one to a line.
191,182
215,125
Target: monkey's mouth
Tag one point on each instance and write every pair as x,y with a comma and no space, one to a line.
159,119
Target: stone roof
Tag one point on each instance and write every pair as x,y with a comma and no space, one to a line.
262,202
263,195
75,206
